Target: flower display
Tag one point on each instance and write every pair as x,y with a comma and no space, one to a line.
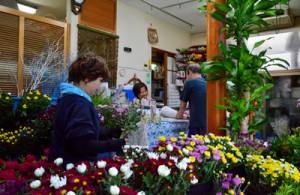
31,105
267,174
205,153
251,146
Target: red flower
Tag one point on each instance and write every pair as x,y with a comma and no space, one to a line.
30,158
46,152
125,190
7,175
11,164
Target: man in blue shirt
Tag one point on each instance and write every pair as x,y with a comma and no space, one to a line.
194,92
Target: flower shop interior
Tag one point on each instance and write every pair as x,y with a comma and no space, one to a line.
249,56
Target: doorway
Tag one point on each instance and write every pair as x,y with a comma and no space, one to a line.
163,71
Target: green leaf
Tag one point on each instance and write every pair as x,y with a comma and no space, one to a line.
218,16
222,7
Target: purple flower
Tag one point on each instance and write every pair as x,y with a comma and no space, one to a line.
219,193
225,185
237,181
216,154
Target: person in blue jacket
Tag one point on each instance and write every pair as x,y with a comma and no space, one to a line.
76,135
194,93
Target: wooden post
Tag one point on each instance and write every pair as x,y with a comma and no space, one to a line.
216,90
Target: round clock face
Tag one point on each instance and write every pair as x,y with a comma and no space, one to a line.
122,72
79,1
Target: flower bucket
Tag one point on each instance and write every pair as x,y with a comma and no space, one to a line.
16,102
249,191
201,189
54,100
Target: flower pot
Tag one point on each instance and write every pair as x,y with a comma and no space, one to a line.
201,189
239,170
250,191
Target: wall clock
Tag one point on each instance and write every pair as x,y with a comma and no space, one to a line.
122,72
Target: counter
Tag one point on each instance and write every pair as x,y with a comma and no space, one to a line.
147,134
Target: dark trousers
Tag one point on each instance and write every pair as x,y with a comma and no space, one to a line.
197,130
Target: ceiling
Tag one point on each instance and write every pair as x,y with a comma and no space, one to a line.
181,13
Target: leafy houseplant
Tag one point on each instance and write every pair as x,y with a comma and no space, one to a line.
246,73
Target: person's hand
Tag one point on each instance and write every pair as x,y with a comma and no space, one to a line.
187,113
115,132
179,114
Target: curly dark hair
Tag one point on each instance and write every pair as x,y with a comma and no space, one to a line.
137,88
88,67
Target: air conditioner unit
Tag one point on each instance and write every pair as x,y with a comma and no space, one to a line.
283,20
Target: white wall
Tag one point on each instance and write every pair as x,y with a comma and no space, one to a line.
132,26
198,39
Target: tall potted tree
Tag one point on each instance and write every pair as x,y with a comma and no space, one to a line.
246,75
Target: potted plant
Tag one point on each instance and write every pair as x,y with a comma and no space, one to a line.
246,75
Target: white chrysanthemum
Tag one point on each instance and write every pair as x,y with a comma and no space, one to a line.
101,164
170,147
152,155
185,151
141,193
194,180
113,171
39,172
174,158
70,193
181,165
81,168
114,190
163,171
125,167
70,166
127,174
57,182
58,161
163,155
35,184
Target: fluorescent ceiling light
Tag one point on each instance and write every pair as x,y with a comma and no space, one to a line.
26,8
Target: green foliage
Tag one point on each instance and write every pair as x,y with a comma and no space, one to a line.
101,100
30,106
245,71
6,107
285,189
286,147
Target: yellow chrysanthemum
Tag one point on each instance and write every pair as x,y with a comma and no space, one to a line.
173,139
162,138
189,148
24,106
207,153
35,97
192,159
181,133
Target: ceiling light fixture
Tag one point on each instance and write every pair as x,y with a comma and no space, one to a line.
26,8
76,6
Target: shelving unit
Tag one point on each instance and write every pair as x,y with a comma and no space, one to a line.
186,56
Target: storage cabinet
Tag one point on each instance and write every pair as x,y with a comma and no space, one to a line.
186,56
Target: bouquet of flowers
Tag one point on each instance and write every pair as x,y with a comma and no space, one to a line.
117,116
